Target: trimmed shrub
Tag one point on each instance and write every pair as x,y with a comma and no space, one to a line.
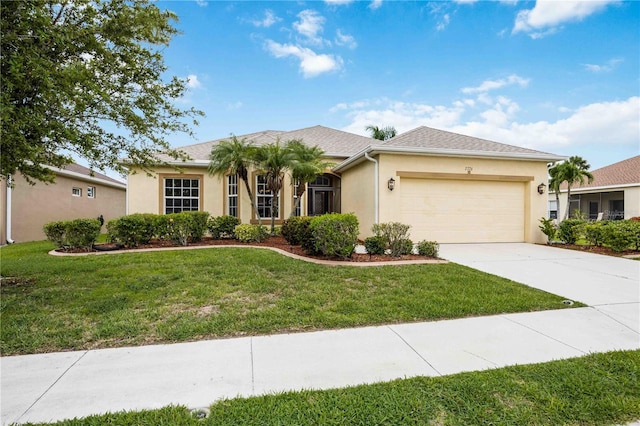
375,245
296,229
594,232
198,224
428,248
132,230
404,246
393,233
222,226
335,234
55,232
570,230
619,235
247,233
633,227
548,228
73,234
179,227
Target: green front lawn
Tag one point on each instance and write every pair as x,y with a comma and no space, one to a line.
61,303
599,389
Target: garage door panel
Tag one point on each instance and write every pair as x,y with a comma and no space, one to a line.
463,211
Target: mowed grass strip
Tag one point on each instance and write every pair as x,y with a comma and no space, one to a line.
599,389
62,303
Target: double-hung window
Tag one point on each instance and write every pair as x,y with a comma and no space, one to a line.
232,195
181,195
264,198
91,192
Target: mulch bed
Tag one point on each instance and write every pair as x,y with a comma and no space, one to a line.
276,241
597,250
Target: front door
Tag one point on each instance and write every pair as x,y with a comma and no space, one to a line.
324,195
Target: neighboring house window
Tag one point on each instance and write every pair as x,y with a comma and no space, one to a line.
264,198
76,192
91,192
181,195
298,211
553,209
232,195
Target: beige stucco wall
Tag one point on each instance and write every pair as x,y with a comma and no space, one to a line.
145,193
32,206
3,211
390,164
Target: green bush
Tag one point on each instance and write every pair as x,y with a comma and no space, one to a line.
618,235
55,232
198,224
633,227
222,226
394,234
179,227
548,228
73,234
570,230
594,232
335,234
428,248
296,230
247,233
132,230
404,246
375,245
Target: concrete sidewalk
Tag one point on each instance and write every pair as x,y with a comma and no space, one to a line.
56,386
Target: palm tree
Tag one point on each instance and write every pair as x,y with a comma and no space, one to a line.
234,157
273,160
306,166
574,170
381,133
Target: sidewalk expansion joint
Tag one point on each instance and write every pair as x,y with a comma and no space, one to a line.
612,318
415,351
52,385
543,334
253,377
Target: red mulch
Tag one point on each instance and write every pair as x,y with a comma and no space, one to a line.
277,242
597,249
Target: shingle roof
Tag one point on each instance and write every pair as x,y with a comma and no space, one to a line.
426,137
77,168
333,142
625,172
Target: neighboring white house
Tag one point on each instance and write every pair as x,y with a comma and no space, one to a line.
614,192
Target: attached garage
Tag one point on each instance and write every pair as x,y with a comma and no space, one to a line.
461,211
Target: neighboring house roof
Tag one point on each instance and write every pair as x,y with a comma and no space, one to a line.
352,147
622,173
77,171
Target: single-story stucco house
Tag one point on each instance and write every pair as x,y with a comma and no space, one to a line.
449,187
78,193
613,194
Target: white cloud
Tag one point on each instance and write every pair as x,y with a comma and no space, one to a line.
345,40
193,82
311,63
489,85
234,106
338,2
595,125
202,3
609,66
444,21
547,16
375,4
269,19
310,26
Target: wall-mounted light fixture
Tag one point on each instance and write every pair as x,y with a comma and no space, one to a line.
468,169
541,188
391,183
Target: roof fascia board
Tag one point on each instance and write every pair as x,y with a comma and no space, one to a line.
85,178
373,150
599,188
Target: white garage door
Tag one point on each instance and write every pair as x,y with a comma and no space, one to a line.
458,211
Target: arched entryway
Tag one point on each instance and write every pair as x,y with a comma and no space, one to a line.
323,195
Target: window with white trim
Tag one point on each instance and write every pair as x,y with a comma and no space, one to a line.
553,209
232,195
298,205
181,195
264,198
76,192
91,192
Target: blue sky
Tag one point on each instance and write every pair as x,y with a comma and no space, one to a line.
561,77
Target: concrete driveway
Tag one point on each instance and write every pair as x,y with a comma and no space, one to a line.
611,284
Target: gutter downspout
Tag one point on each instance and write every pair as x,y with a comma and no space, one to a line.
8,213
376,187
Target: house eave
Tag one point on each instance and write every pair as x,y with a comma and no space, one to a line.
374,150
85,178
609,188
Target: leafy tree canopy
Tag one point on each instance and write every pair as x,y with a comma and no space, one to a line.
72,70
